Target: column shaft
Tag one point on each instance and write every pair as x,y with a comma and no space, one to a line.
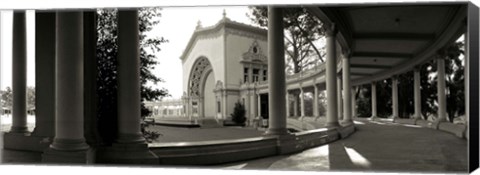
69,83
442,105
44,74
128,78
287,101
276,73
315,101
19,73
302,103
395,96
339,98
259,105
416,93
295,105
374,100
354,103
331,76
347,95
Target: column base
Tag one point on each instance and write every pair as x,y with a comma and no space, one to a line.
19,129
437,122
395,118
316,118
334,124
346,130
277,131
125,153
346,122
287,144
68,157
373,117
26,142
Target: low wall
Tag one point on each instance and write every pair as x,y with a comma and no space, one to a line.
214,152
456,129
232,150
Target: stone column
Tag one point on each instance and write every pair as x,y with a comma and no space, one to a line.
374,100
354,103
287,101
44,74
276,73
417,94
259,105
128,78
395,97
69,144
130,146
339,98
315,101
347,102
331,75
19,73
253,106
302,103
295,105
441,95
90,78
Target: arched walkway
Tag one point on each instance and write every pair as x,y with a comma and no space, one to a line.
376,146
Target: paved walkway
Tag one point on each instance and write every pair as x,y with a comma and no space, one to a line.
376,146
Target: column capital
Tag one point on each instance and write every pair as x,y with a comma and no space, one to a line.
417,68
346,53
331,30
395,77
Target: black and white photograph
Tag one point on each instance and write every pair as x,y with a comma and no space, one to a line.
253,88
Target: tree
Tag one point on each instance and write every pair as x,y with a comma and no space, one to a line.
303,31
238,115
107,70
7,97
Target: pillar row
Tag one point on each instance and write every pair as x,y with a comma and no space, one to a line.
19,73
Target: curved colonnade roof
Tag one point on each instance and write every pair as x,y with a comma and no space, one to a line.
389,39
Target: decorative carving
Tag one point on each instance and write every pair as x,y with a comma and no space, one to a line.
245,34
198,69
254,53
219,85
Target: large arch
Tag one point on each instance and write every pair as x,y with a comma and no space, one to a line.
201,83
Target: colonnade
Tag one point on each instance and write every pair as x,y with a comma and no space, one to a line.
62,55
69,143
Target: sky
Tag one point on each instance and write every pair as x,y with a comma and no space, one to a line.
177,25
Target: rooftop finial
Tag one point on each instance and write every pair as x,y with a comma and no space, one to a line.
224,13
199,24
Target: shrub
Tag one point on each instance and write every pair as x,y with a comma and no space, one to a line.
238,115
